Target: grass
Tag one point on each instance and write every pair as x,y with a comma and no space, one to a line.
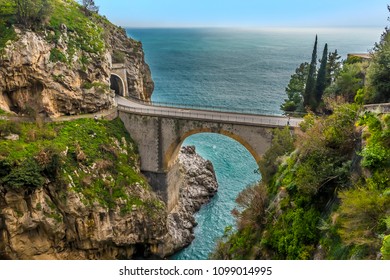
7,18
86,150
57,55
85,34
80,151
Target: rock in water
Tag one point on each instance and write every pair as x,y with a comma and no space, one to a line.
200,185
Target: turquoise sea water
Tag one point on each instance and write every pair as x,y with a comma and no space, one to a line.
239,70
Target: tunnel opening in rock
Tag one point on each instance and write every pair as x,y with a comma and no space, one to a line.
117,85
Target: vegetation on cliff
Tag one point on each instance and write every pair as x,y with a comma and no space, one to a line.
360,80
57,58
325,192
77,186
87,30
328,198
72,154
52,15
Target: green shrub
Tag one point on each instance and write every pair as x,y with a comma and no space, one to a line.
7,34
294,234
98,86
7,18
374,155
118,56
282,144
362,213
26,175
385,250
7,127
5,167
57,56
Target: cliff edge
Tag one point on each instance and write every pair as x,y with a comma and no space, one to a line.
64,65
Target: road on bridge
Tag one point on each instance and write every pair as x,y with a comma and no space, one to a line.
205,115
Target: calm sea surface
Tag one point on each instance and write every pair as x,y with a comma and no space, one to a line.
239,70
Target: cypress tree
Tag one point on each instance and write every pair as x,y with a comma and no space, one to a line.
309,98
321,77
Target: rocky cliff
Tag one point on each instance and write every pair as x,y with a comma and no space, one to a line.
32,83
81,195
73,190
64,68
129,52
41,225
199,186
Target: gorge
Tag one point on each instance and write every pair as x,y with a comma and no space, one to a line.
74,189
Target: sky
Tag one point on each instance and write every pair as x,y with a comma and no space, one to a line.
246,13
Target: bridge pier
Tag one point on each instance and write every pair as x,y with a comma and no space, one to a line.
167,184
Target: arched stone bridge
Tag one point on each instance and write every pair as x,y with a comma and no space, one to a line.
160,131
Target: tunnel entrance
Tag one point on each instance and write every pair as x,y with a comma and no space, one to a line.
117,84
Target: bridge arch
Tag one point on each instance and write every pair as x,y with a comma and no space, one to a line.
159,135
174,149
117,84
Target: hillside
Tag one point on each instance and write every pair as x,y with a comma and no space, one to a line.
73,190
325,190
59,61
324,197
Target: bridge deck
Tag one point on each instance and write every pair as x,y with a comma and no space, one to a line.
127,105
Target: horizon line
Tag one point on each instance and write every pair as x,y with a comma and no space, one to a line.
253,27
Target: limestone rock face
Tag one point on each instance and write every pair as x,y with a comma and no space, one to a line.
45,225
200,185
34,82
30,82
57,222
130,52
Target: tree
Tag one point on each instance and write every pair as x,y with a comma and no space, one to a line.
309,99
349,80
321,77
379,74
282,144
296,89
90,7
333,67
378,89
32,13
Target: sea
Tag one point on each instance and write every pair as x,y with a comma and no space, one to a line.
245,70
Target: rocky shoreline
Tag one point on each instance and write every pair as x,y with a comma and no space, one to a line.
199,186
